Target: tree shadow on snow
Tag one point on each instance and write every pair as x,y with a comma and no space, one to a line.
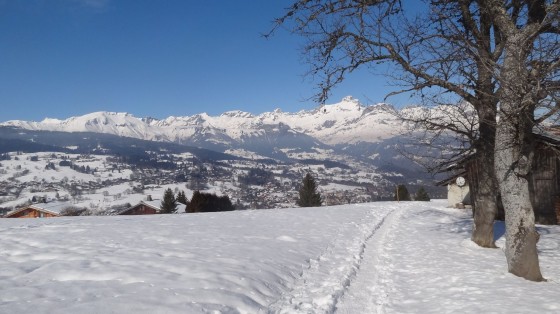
499,229
450,222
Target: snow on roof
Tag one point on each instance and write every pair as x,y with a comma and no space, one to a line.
55,207
156,204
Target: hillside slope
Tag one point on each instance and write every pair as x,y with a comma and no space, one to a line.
409,257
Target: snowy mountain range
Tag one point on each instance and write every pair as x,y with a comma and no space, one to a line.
343,132
346,122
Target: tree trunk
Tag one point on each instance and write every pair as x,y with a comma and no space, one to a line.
513,160
485,198
521,236
484,194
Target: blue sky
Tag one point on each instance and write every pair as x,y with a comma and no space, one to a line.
60,58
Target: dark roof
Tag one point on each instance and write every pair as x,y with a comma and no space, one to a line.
152,204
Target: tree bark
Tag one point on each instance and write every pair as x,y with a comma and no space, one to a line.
513,160
485,198
521,235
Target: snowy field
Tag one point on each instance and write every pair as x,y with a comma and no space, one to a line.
388,257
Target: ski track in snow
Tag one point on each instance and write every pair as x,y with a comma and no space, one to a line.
323,284
371,288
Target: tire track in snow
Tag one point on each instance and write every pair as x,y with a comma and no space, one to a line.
369,292
326,278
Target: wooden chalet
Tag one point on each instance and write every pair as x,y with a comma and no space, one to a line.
149,208
143,208
39,210
544,179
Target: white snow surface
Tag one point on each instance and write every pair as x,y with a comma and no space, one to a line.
408,257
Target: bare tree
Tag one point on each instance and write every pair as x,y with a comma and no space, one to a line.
444,53
492,54
527,74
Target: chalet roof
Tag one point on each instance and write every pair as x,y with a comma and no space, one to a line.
155,204
550,135
54,208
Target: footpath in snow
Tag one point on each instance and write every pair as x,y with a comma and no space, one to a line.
408,257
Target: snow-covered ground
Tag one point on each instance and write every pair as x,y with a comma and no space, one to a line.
409,257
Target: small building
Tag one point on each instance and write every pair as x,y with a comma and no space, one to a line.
458,191
149,208
143,208
39,210
544,179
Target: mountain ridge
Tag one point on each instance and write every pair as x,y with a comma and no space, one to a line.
345,122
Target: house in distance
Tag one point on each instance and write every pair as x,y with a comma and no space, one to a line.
39,210
149,208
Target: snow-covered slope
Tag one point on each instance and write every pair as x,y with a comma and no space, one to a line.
346,122
384,257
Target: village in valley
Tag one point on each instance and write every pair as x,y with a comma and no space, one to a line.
88,184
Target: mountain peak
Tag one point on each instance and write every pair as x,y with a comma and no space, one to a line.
237,114
348,104
350,99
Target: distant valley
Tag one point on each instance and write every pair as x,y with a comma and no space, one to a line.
258,160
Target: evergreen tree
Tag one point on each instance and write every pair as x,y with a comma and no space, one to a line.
308,196
206,202
402,193
196,202
169,203
182,198
421,195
